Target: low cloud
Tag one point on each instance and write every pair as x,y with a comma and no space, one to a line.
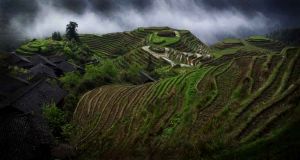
207,24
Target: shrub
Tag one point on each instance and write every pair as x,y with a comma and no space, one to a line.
78,52
70,80
98,75
54,115
67,130
95,76
107,69
70,102
67,51
132,74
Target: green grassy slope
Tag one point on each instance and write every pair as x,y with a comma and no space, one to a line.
246,97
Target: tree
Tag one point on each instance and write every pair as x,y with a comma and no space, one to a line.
71,31
56,36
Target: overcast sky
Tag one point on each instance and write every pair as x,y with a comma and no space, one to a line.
209,20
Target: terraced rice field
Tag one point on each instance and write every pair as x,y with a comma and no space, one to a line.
266,43
109,45
229,43
189,43
138,57
117,44
228,101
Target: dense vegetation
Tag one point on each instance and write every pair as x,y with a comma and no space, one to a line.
160,93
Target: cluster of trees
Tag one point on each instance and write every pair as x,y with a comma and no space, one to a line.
71,33
56,36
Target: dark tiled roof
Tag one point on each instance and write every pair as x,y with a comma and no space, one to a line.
15,58
41,93
9,84
57,59
66,67
3,97
37,59
23,136
41,69
19,60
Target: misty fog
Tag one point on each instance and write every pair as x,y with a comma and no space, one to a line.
209,25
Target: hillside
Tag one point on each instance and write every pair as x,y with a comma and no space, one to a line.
161,93
236,102
246,95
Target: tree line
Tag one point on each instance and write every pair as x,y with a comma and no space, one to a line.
71,33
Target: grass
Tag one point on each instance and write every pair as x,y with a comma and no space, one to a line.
232,41
217,53
163,41
283,143
43,46
258,38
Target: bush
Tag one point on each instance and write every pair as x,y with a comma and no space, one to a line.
134,70
78,52
70,80
70,103
97,75
67,130
67,51
107,69
54,115
132,74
